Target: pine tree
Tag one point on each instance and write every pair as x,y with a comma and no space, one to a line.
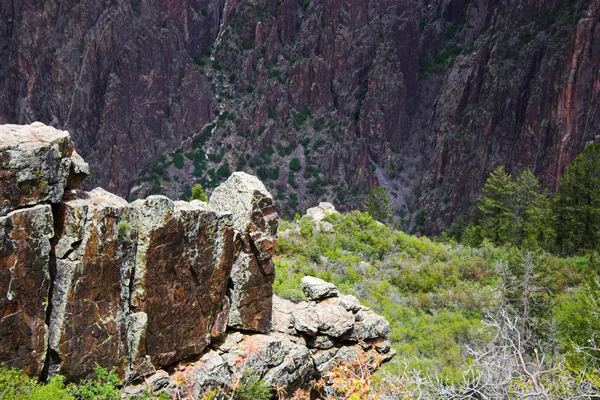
379,205
198,193
496,207
534,217
578,203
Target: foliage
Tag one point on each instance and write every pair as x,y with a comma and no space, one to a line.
251,387
434,295
578,203
295,164
379,205
123,227
178,160
533,211
496,207
198,193
105,386
512,212
15,385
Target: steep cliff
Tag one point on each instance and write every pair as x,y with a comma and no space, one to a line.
89,279
424,97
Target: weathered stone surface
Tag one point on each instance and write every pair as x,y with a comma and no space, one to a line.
319,212
369,325
290,357
94,262
323,318
183,262
317,289
255,222
24,284
35,163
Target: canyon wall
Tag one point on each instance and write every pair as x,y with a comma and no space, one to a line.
90,279
423,97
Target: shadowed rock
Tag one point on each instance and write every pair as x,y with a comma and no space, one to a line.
24,284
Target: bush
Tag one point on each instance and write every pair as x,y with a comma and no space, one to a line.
124,227
198,193
295,164
15,385
105,386
177,160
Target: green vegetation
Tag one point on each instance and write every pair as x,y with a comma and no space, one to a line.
519,212
123,227
379,205
437,296
198,193
295,164
577,205
15,385
177,159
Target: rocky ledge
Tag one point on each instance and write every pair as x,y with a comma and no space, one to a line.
307,340
88,279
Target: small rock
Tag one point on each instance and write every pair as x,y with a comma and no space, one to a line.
317,289
321,342
369,325
158,381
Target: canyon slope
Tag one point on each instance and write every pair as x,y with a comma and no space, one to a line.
422,97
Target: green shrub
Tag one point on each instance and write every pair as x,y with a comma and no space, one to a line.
123,227
295,164
252,387
178,161
105,386
198,193
15,385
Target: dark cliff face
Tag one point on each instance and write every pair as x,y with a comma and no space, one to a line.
422,97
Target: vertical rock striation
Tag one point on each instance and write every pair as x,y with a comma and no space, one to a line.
24,285
253,274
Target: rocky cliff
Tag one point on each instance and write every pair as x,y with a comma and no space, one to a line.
424,97
89,279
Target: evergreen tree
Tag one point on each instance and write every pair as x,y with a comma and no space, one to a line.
496,207
379,205
578,203
534,215
198,193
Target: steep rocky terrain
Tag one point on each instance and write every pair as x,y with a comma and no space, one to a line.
88,279
424,97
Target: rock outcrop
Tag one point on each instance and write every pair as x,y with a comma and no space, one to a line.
290,356
89,279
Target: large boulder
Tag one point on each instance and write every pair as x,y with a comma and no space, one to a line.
255,222
24,284
36,164
317,289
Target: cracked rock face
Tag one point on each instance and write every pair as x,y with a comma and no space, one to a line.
93,259
24,283
36,161
255,222
183,262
